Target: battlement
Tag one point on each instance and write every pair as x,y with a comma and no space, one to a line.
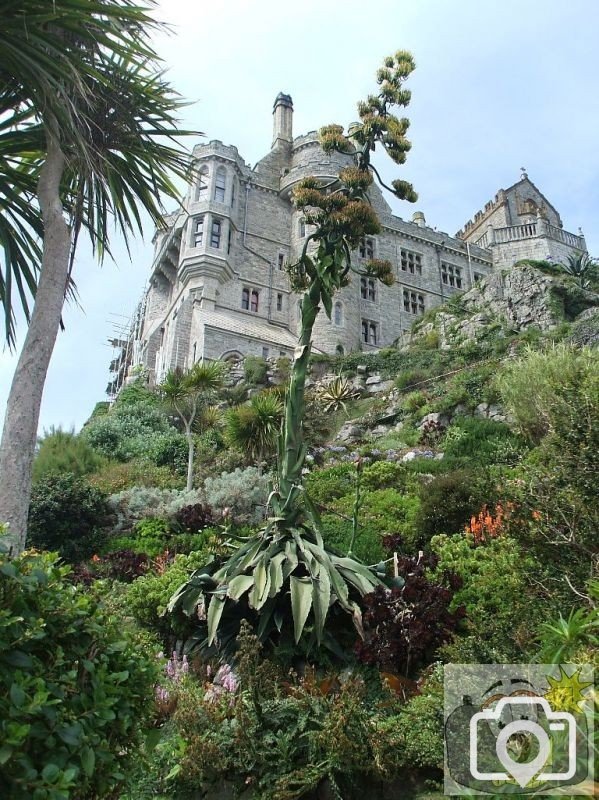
216,148
480,216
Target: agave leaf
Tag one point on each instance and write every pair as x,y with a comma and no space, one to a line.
291,559
215,612
275,570
260,581
321,598
301,602
239,586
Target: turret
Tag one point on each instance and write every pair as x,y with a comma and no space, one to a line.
282,115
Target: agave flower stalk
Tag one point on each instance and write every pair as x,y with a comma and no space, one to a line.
287,566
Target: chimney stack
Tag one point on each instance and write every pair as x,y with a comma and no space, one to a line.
282,119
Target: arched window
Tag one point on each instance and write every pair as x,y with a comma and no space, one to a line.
220,185
338,316
302,228
245,299
202,193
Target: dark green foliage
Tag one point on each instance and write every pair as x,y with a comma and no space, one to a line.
447,503
76,687
68,516
254,370
63,451
254,427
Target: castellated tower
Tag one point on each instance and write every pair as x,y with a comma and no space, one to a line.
218,286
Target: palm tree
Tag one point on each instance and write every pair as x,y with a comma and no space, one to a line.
188,393
86,139
254,427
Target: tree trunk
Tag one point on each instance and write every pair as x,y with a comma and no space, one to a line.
19,436
190,457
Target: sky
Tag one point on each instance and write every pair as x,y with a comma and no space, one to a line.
499,85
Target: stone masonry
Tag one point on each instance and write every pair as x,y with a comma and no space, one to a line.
218,285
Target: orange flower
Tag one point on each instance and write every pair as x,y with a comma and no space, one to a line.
96,558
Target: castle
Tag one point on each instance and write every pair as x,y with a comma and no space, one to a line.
218,287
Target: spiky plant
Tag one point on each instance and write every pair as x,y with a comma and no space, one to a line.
286,572
581,267
336,395
254,427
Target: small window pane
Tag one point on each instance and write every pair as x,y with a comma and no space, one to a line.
215,234
220,185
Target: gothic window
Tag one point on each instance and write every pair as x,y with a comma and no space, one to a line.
198,231
368,288
367,248
220,185
338,315
451,275
202,183
411,262
281,261
215,233
301,228
279,301
413,302
249,299
370,332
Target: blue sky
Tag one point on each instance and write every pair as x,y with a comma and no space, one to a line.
499,85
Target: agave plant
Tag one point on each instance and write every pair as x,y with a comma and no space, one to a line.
336,395
285,576
580,266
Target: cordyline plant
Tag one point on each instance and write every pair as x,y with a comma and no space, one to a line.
287,565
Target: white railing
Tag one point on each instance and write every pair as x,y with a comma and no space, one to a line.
566,237
515,232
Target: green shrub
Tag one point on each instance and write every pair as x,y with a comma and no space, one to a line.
115,477
385,475
148,597
324,485
255,369
447,503
502,608
76,687
67,515
413,737
541,388
471,441
63,451
383,512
